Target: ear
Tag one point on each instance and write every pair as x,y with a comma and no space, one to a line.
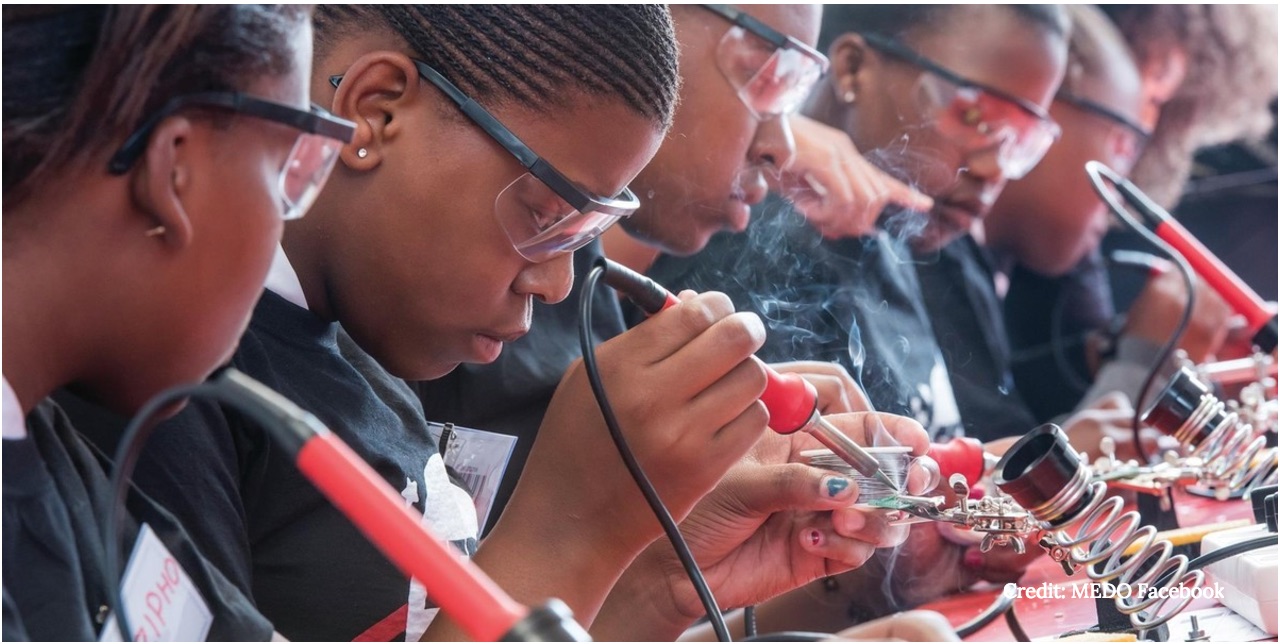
848,58
1163,73
163,177
374,89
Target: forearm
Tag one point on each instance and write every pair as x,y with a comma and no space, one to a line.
641,606
534,561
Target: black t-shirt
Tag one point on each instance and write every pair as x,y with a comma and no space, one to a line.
263,523
852,301
511,395
960,296
56,495
1048,319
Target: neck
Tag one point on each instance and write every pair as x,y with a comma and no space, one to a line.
629,251
304,246
45,347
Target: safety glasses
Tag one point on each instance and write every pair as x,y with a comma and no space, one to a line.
308,165
1127,138
543,213
976,116
771,71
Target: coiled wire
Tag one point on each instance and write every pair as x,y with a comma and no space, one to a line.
1233,453
1096,539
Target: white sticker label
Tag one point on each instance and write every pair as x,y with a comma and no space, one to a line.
162,602
479,458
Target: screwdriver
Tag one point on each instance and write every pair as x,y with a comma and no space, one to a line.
791,400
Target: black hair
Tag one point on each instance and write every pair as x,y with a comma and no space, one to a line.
895,20
531,54
78,79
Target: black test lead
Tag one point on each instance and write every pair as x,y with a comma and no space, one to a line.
791,400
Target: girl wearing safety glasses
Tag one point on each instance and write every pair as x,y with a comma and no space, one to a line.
479,163
151,155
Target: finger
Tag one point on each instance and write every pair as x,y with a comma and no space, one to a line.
732,441
668,331
911,626
897,192
705,359
841,553
724,400
849,391
764,489
877,429
868,526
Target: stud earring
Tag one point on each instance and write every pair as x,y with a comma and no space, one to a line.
848,97
362,153
155,232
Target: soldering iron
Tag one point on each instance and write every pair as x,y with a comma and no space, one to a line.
791,400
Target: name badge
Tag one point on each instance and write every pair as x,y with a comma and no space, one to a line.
161,600
479,458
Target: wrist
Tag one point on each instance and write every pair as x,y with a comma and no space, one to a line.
643,604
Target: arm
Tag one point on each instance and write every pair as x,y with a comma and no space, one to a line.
686,393
772,524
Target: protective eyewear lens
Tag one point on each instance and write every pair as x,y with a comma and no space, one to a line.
541,225
306,171
974,119
770,81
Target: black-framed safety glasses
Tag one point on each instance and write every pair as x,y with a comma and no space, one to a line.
541,224
1126,148
772,72
314,154
974,114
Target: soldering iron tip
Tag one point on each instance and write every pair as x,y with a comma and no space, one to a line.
884,478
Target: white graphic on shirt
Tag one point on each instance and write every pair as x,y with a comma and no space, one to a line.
410,491
451,515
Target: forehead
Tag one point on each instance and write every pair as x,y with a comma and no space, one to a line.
994,46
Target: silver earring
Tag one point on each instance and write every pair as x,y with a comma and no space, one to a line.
362,153
848,97
155,232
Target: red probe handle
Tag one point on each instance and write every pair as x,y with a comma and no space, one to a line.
461,589
1239,296
962,456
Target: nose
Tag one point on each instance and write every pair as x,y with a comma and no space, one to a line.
773,143
548,281
984,164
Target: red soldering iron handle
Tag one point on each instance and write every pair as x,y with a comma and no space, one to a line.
1243,300
790,399
962,456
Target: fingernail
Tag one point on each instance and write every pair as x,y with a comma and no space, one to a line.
851,521
973,558
814,537
836,485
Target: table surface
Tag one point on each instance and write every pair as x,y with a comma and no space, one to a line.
1050,617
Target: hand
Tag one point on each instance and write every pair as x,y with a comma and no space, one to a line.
1155,314
835,187
774,524
911,626
1110,416
685,388
837,392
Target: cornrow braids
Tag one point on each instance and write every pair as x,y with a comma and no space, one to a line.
79,79
534,55
895,20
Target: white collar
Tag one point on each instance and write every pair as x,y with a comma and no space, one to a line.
14,425
283,280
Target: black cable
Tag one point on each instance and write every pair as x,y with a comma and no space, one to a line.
749,626
646,488
1097,172
126,457
1015,627
792,636
1226,552
1002,605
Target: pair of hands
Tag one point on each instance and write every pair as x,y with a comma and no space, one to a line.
1155,313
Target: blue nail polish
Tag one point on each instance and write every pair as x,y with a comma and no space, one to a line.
836,485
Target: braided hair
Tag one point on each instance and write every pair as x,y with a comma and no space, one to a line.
534,55
78,79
